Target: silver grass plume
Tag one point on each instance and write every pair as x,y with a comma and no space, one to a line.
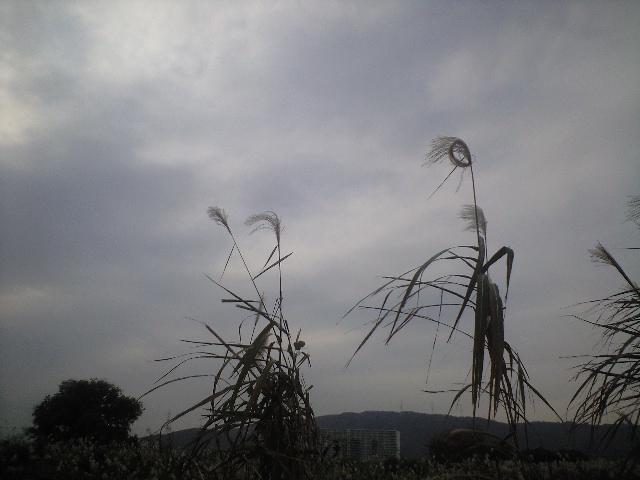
601,255
633,211
268,220
476,221
452,148
219,216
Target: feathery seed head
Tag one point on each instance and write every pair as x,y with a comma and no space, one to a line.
600,255
268,220
219,216
633,211
452,148
475,219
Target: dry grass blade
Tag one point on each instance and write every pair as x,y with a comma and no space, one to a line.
495,344
480,325
201,403
186,377
510,256
249,360
497,256
274,264
383,312
457,396
273,252
228,347
246,304
259,385
413,282
472,283
378,290
442,183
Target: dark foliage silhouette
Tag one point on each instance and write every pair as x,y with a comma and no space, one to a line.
92,409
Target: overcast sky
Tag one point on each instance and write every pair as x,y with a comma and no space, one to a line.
122,122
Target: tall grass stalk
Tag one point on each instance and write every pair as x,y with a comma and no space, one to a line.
259,414
609,381
470,288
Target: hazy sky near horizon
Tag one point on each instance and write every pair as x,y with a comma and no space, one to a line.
122,122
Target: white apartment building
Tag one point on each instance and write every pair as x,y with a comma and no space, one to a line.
361,444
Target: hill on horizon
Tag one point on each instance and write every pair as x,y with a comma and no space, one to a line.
416,429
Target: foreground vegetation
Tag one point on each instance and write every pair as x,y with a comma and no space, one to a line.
136,459
260,406
610,378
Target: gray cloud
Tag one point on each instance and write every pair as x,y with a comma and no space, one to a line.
124,123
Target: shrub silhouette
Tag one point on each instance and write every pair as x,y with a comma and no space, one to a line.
92,409
461,444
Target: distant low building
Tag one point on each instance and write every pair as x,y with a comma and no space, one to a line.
361,444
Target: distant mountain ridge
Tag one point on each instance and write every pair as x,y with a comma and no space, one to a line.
416,429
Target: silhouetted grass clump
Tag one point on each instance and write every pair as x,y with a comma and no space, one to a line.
609,381
413,295
259,416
